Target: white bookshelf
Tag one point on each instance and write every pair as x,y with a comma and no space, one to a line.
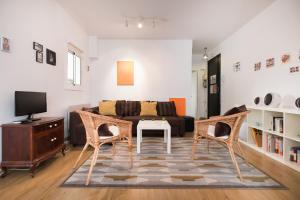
261,118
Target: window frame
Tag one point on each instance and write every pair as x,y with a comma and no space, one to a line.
70,83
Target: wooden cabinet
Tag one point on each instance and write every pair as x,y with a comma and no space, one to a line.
27,145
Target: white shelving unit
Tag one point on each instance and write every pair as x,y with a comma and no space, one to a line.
261,118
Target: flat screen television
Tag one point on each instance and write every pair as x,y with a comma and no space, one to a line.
29,103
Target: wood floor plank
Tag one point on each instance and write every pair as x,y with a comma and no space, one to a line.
50,175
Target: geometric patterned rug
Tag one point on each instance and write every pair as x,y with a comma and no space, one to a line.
154,168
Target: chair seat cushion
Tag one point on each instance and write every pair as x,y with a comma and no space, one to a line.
223,129
211,132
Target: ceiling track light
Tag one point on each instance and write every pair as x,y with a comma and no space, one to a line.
205,56
142,22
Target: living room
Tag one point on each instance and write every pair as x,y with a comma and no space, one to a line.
149,99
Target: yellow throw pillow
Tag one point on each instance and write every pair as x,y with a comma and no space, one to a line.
107,108
148,109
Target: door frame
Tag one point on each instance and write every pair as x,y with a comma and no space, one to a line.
218,83
197,91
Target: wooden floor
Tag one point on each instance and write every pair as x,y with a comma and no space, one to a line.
49,176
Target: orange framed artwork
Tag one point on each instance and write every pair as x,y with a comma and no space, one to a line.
125,73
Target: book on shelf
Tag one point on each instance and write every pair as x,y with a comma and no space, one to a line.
274,144
295,154
278,124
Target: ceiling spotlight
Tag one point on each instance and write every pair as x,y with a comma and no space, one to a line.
205,56
140,25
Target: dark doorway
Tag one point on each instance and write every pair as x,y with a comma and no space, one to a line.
214,86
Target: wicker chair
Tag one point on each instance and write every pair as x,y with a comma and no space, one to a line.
121,132
234,121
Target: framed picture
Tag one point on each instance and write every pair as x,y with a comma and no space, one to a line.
270,62
237,67
5,44
51,57
285,58
257,66
39,57
37,46
213,79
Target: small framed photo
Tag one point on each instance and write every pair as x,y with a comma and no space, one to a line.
213,79
237,67
4,44
257,66
51,57
285,58
39,57
270,62
37,46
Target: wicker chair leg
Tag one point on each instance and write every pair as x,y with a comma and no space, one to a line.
95,155
194,148
207,143
234,161
80,155
242,152
130,157
114,148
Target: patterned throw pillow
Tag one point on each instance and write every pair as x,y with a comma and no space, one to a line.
107,108
166,108
148,108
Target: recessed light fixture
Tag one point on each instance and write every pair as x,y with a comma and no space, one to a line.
205,56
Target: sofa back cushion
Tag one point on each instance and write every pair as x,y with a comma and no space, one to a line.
107,108
148,108
120,107
167,108
132,108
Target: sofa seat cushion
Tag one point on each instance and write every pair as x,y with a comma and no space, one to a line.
175,121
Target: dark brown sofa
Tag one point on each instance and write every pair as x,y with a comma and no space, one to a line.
130,110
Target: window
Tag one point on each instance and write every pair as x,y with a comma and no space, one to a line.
74,68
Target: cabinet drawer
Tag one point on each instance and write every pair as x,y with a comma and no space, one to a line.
48,126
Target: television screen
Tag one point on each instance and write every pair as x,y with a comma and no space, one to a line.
28,103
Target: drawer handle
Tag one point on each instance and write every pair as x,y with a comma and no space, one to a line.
55,125
52,140
50,126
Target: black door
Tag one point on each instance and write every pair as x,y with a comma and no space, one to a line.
214,85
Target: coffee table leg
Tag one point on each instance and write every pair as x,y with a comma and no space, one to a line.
138,141
165,135
169,141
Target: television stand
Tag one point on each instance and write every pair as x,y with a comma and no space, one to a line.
27,145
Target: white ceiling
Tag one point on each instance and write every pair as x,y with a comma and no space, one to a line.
206,22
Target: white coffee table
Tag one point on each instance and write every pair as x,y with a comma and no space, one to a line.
154,125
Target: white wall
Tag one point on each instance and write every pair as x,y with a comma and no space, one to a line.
47,23
162,69
272,33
